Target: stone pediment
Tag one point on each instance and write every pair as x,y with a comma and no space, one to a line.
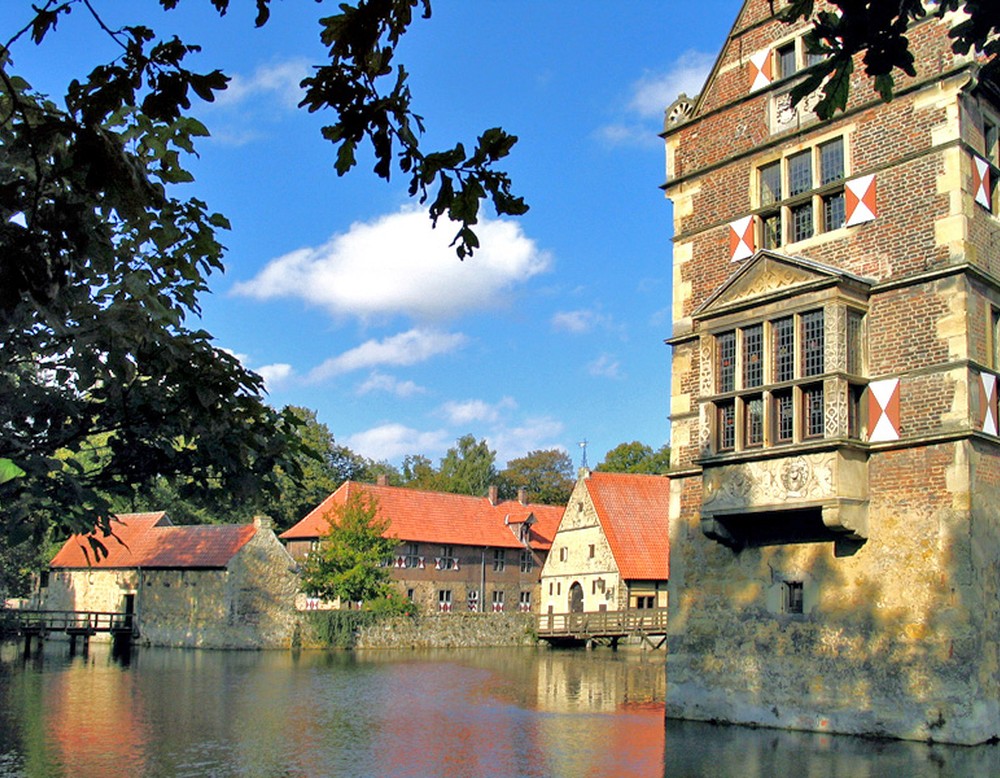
768,274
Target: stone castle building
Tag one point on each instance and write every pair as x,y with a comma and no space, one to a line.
835,474
204,586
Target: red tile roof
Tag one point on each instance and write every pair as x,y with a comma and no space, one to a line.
150,540
417,516
633,511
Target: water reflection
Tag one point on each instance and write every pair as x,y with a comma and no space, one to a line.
456,713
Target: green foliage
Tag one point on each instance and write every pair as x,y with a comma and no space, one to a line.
337,628
105,387
103,264
350,562
877,30
392,603
468,467
636,457
546,476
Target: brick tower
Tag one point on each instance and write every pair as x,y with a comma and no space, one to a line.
835,512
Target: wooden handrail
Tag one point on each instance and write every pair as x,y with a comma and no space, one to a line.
602,623
65,621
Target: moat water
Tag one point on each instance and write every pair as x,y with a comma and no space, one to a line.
460,714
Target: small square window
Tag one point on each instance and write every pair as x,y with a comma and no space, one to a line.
753,356
783,331
785,57
812,406
834,211
727,361
727,425
770,184
784,416
793,597
753,422
800,173
770,230
831,162
802,222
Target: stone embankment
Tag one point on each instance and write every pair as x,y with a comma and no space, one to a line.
437,630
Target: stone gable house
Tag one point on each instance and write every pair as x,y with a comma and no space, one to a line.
456,552
835,473
610,552
207,586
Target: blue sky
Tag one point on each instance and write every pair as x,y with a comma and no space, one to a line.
340,295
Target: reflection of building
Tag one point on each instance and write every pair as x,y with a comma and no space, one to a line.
835,468
456,552
610,551
219,586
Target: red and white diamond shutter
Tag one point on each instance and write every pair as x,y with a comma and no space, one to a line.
860,201
988,403
761,70
741,240
883,410
981,182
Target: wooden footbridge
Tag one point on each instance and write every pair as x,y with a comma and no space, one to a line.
77,625
647,624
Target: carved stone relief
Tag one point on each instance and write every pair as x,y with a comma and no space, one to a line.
807,478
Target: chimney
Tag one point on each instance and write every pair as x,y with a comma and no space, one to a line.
494,495
382,480
263,522
522,495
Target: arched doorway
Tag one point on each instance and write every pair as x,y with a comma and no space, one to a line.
576,598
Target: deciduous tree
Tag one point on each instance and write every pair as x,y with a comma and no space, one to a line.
636,457
102,263
877,30
350,563
546,476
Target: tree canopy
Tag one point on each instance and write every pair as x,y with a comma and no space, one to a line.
349,564
636,457
546,477
103,261
877,30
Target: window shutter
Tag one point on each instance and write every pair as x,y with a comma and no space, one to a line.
741,239
981,182
988,403
761,70
859,195
883,410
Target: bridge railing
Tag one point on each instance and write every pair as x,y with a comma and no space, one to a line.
66,621
598,623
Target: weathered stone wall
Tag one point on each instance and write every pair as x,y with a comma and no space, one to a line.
451,630
899,628
249,605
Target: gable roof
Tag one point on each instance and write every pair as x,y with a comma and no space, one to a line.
633,511
150,540
771,274
418,516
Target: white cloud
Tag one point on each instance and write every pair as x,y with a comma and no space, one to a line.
406,348
652,93
535,434
280,79
605,366
462,413
393,441
398,264
276,374
381,382
642,118
579,322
